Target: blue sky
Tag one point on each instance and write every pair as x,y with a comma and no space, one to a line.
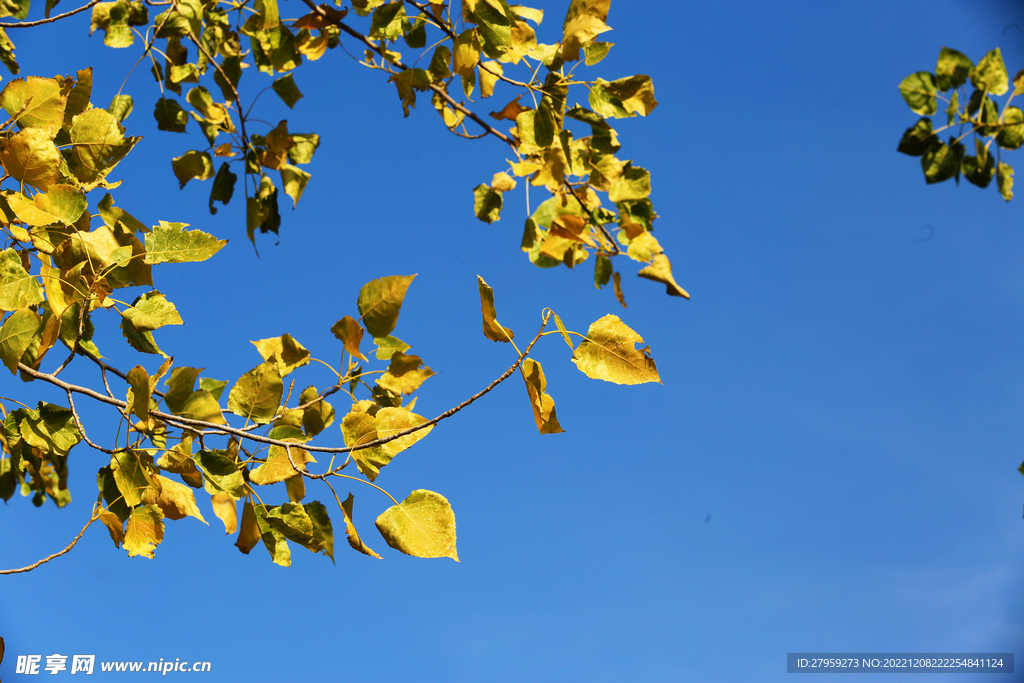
828,467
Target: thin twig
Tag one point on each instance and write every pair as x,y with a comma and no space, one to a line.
81,427
71,545
213,428
40,22
436,88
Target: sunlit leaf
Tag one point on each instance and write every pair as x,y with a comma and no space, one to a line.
171,243
609,353
226,509
660,270
15,336
493,330
350,530
257,393
220,473
543,405
380,302
289,353
175,500
422,525
145,531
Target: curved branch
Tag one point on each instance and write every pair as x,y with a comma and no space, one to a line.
226,430
40,22
71,545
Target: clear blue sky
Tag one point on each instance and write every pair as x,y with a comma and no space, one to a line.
830,465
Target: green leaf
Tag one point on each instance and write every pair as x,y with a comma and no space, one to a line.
602,270
131,476
170,116
180,385
660,270
294,180
609,353
201,405
272,537
990,74
303,147
487,203
287,90
952,69
989,113
289,353
223,187
918,89
1012,134
257,394
30,157
388,346
295,523
138,392
351,533
380,302
215,387
111,215
18,289
635,183
918,139
596,51
1004,179
35,102
144,532
121,107
171,243
220,472
7,52
317,417
350,333
16,335
493,330
422,525
981,169
623,97
543,405
941,162
98,145
192,165
389,21
151,311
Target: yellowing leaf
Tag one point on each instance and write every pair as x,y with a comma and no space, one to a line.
18,289
289,353
226,509
278,468
422,525
131,476
16,335
660,270
608,353
145,531
138,392
543,405
171,243
257,394
361,428
30,157
350,333
98,145
350,530
380,302
35,102
175,500
493,330
249,531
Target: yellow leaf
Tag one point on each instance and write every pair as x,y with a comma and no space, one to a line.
609,353
543,405
226,509
145,531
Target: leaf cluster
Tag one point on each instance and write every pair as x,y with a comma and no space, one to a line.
994,126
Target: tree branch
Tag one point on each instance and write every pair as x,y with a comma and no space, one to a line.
227,430
71,545
40,22
436,88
